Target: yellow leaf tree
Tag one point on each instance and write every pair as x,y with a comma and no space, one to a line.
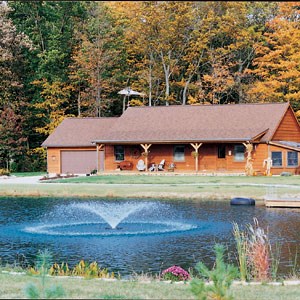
96,61
156,42
54,107
277,65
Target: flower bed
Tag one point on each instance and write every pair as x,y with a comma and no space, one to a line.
175,273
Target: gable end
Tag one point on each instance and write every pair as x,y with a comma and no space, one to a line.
288,128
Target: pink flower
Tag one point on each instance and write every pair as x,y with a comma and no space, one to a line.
178,272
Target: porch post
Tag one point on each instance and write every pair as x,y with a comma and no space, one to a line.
146,148
97,153
196,146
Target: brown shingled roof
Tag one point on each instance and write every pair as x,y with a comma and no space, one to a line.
78,132
207,123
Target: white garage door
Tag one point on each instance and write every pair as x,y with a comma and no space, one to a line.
78,162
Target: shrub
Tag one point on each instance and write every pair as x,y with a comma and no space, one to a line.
175,273
91,270
4,172
258,252
88,270
60,270
222,276
33,160
94,172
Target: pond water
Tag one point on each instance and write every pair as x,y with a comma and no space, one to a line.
135,235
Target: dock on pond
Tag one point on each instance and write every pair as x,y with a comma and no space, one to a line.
272,199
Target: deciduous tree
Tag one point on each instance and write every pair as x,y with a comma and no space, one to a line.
277,65
11,59
12,140
54,107
97,61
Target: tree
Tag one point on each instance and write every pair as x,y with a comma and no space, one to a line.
53,108
229,34
12,100
172,48
51,27
219,81
96,61
12,44
158,38
12,141
277,64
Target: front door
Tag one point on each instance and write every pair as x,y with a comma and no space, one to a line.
221,157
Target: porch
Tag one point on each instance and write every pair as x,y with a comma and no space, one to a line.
189,158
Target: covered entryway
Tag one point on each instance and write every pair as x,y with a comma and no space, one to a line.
78,162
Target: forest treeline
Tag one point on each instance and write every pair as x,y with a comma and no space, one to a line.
71,58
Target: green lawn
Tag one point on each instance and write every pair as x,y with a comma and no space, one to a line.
172,187
12,287
163,191
181,179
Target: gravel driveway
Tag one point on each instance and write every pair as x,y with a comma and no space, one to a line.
19,180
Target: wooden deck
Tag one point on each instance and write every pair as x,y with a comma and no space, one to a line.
282,202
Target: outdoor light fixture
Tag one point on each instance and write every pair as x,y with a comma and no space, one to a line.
53,157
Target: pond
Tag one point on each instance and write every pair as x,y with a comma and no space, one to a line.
135,235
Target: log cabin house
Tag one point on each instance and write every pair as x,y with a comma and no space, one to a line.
196,139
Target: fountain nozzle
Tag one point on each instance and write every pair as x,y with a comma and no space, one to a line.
115,228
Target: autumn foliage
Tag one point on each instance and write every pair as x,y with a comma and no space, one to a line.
61,59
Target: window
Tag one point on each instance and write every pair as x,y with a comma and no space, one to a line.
277,159
292,159
239,153
221,151
179,153
119,153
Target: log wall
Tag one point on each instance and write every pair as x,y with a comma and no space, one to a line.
288,129
208,158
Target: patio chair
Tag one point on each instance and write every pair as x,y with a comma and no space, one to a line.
171,167
161,165
152,168
141,165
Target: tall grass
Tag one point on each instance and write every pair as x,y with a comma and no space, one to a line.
275,259
241,244
294,265
258,252
253,248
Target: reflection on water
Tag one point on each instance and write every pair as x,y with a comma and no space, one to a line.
179,232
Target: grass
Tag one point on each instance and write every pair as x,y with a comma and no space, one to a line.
180,179
12,287
171,187
139,191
